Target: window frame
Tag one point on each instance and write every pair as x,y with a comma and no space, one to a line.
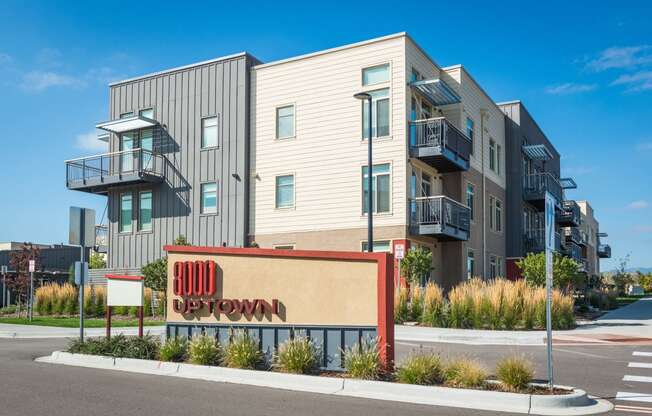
374,109
140,112
294,192
139,224
389,73
470,254
492,155
217,132
363,183
466,131
363,243
493,268
499,151
120,213
294,121
202,210
498,215
466,193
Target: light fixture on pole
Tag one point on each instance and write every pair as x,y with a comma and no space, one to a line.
370,207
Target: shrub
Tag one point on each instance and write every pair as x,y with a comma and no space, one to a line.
145,348
515,372
401,307
434,306
363,360
459,309
465,372
421,368
299,356
242,351
204,350
89,304
174,349
416,304
100,299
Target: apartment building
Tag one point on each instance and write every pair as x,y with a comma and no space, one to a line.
439,173
178,160
594,249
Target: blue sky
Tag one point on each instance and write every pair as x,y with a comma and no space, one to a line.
583,69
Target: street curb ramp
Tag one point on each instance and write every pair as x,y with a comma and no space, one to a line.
576,403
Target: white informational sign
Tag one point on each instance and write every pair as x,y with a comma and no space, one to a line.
32,266
3,269
399,251
124,291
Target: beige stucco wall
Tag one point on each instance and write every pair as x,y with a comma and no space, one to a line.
310,291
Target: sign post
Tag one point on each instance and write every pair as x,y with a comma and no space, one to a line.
124,291
399,254
82,233
32,267
3,269
550,247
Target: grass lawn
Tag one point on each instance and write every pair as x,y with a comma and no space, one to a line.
73,322
626,300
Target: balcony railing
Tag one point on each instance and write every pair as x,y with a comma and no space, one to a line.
569,216
96,174
573,234
536,185
441,217
573,251
101,238
604,251
440,144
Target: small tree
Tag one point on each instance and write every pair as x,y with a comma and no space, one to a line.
622,278
565,271
97,261
416,263
19,281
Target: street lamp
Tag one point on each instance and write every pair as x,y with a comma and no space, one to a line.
370,230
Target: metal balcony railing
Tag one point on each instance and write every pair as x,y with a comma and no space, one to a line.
604,251
535,241
573,251
440,143
440,215
101,237
126,166
573,234
537,184
569,214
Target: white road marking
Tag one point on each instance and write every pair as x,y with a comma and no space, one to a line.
642,354
640,365
634,397
641,379
581,353
631,409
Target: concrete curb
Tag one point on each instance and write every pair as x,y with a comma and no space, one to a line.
577,403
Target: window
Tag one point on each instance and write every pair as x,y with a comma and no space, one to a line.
375,74
125,115
127,156
380,246
285,191
470,195
208,198
426,185
283,246
499,267
145,211
148,113
493,271
470,127
126,210
379,114
470,264
492,155
499,153
499,216
208,132
415,76
285,122
492,202
380,189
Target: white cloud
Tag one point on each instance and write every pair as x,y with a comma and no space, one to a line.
638,205
37,81
569,88
621,57
645,146
104,75
89,141
638,81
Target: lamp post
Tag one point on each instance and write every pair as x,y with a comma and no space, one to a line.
370,230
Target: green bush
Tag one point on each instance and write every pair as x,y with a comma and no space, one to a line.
434,308
416,304
120,310
515,372
401,306
242,351
465,372
145,348
204,350
299,356
421,368
174,349
363,360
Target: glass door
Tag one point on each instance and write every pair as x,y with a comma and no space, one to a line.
147,146
127,155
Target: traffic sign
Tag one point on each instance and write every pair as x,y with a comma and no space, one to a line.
3,269
399,251
32,266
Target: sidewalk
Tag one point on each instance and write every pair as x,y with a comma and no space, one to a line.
35,331
631,324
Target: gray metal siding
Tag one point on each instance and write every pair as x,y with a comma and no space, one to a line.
180,100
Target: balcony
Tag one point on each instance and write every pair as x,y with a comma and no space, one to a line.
101,238
604,251
569,216
438,143
440,217
573,251
536,185
584,239
572,234
97,174
535,242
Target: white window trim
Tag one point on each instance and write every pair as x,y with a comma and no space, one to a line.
217,198
294,121
373,65
492,214
364,103
391,189
474,210
472,251
148,108
138,221
294,192
120,213
391,245
201,132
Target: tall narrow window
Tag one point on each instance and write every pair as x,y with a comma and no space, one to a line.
470,131
499,215
208,198
379,114
426,185
470,195
470,264
379,191
285,191
285,122
126,213
147,142
493,271
492,201
492,155
126,152
499,157
145,211
375,74
209,132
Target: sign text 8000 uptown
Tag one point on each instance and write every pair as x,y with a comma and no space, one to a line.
196,283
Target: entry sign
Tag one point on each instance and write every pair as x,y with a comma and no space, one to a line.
124,290
32,266
399,251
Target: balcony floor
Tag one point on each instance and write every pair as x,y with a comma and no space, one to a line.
102,185
443,160
441,233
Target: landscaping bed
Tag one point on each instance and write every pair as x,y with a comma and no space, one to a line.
73,321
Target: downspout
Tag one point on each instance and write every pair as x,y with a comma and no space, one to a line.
483,114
